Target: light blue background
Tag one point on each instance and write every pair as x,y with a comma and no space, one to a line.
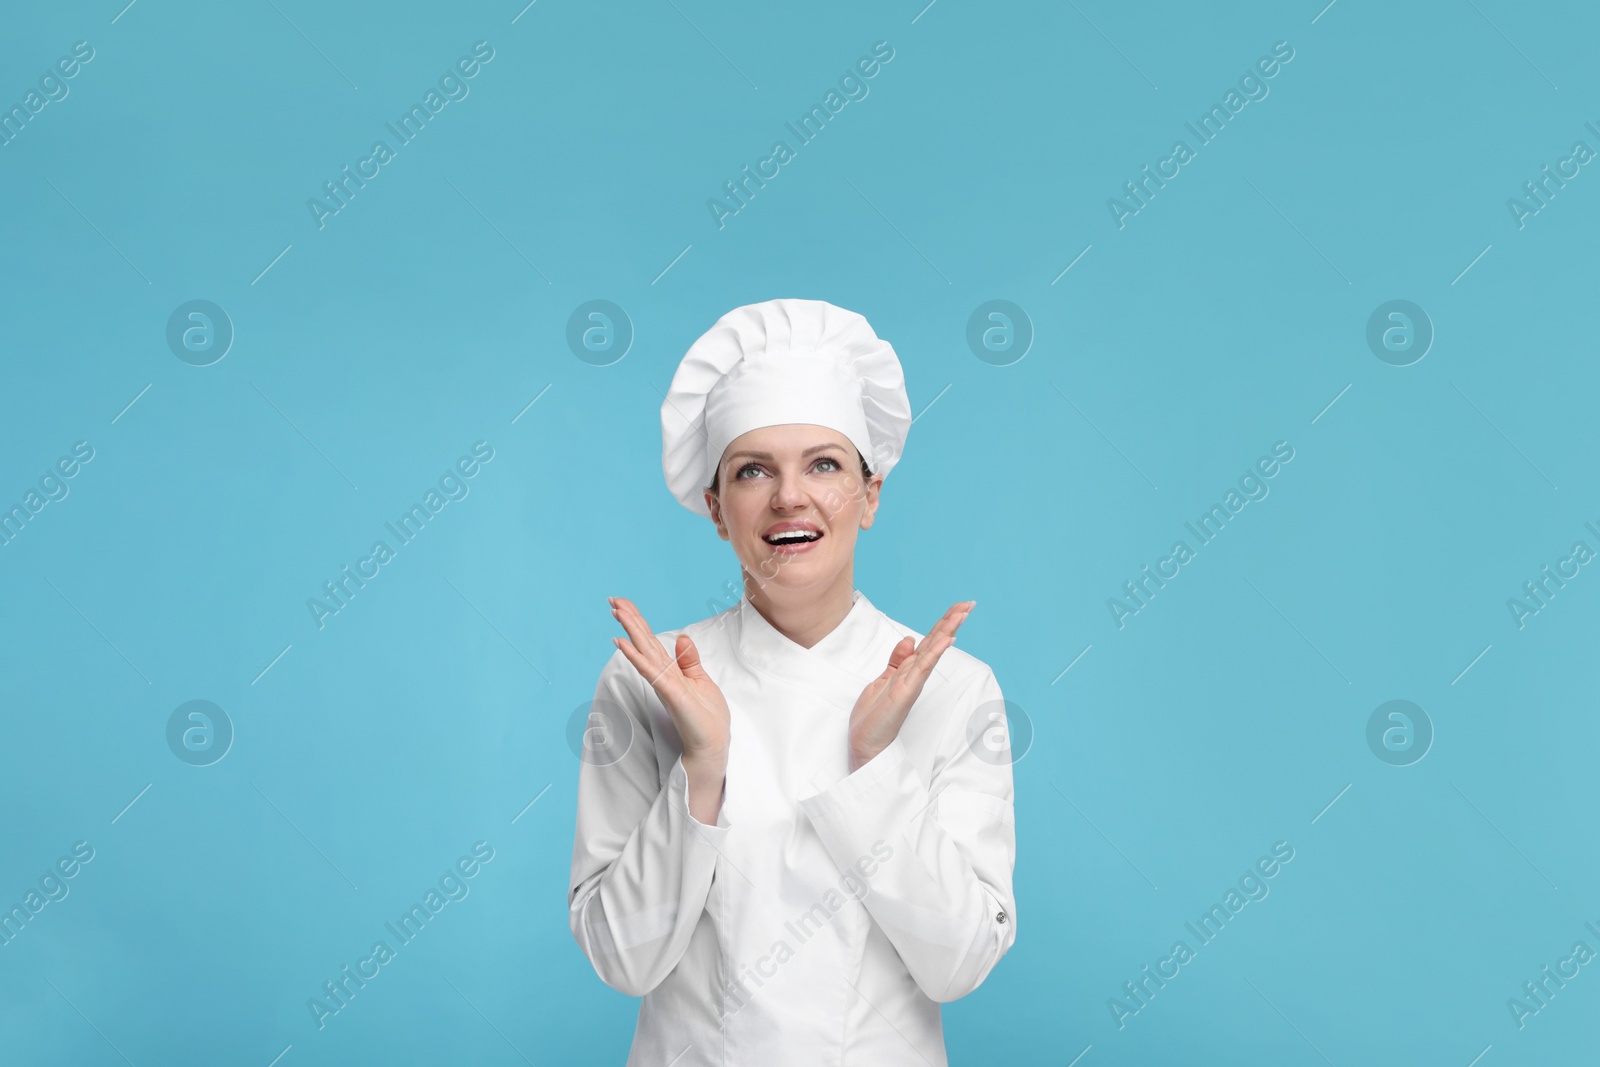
428,314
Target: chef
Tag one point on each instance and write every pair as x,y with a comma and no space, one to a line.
795,836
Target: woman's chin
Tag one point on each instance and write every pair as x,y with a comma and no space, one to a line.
793,576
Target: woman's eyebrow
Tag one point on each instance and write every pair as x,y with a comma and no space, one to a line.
768,455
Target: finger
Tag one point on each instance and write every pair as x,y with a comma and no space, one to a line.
650,671
908,683
927,655
945,628
653,662
639,632
961,618
632,654
688,656
951,619
628,613
901,652
898,655
957,615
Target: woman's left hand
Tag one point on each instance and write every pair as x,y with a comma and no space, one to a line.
882,708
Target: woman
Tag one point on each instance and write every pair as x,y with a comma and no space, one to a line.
794,831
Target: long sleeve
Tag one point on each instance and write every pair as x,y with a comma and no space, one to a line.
943,896
642,865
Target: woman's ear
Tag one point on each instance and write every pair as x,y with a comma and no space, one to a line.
873,488
716,513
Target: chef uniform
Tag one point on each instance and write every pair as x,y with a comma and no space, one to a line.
827,914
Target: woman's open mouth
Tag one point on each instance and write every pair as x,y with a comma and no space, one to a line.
792,538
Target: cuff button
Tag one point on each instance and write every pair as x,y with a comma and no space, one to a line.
1000,917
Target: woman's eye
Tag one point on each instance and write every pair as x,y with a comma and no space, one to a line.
830,459
745,469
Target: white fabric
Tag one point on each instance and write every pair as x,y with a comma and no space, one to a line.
670,909
778,362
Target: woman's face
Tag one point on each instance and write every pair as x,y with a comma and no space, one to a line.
786,478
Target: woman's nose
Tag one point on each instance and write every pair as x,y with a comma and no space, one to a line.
789,492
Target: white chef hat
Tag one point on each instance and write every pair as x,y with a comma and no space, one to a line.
779,362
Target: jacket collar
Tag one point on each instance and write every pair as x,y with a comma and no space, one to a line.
838,667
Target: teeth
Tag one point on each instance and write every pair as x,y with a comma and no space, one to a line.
792,536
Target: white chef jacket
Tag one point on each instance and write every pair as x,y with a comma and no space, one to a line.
826,915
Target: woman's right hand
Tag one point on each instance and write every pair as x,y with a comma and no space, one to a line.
697,706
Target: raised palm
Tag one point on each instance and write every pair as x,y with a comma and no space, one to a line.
883,705
697,706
